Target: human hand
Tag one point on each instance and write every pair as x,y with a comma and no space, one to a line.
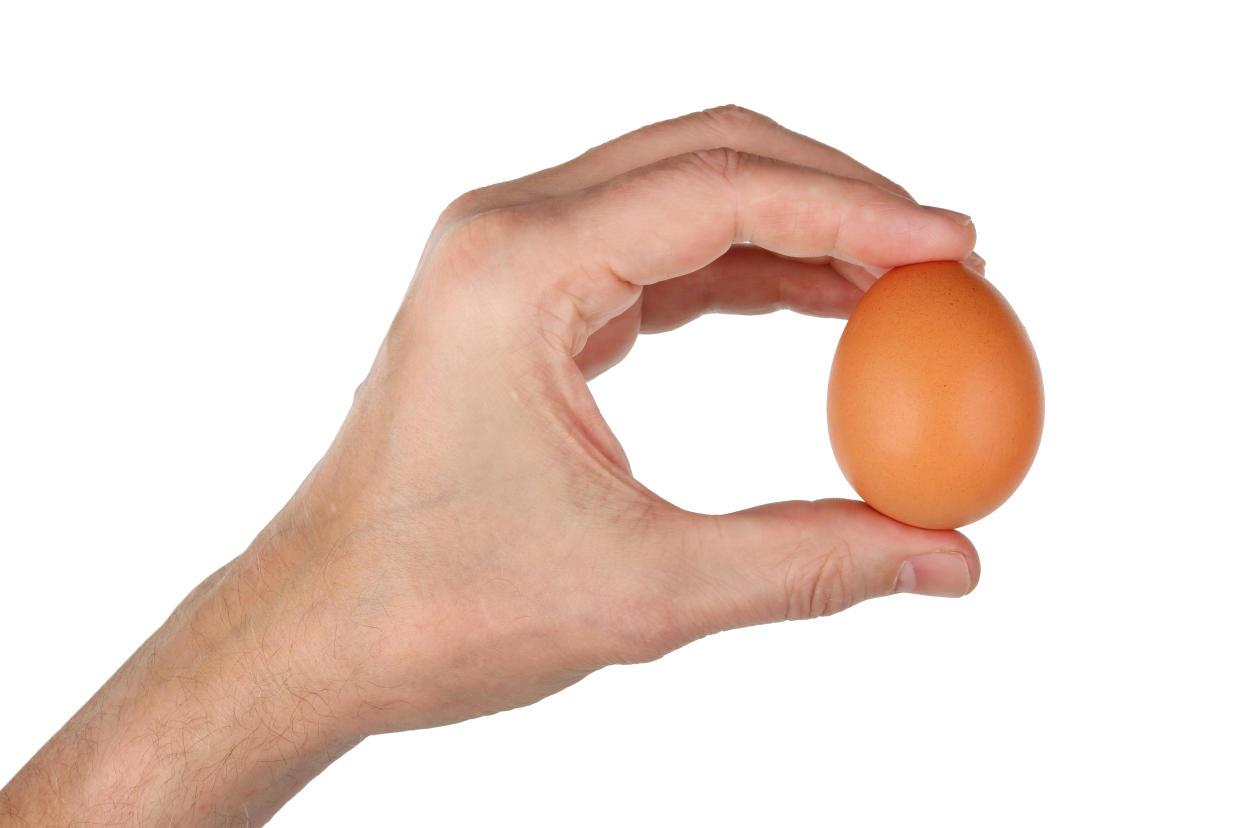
480,538
473,540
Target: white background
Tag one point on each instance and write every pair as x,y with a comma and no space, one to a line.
208,216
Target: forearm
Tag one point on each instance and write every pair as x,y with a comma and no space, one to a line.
206,724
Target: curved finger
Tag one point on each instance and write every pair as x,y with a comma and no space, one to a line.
609,345
723,126
748,280
678,215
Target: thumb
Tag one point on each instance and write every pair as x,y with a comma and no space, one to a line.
803,559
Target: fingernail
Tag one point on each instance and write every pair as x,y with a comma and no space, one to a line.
943,574
960,218
975,262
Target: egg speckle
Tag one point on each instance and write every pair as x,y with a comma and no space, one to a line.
935,399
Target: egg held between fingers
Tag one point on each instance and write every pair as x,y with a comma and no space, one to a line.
935,399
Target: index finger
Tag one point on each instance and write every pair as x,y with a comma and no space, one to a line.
592,251
732,126
721,126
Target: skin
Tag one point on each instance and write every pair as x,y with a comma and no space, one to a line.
473,540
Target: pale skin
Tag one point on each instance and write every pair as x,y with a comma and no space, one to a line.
473,540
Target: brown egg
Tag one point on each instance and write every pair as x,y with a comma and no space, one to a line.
935,401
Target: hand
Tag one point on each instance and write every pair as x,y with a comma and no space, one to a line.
473,540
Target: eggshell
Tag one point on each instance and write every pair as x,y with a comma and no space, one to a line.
935,400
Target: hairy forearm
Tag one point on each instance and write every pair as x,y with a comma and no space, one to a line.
206,723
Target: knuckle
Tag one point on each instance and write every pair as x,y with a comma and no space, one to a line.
473,239
718,162
826,583
465,205
731,120
894,187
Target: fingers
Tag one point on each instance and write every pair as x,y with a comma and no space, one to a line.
611,343
808,559
745,280
748,280
671,218
724,126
